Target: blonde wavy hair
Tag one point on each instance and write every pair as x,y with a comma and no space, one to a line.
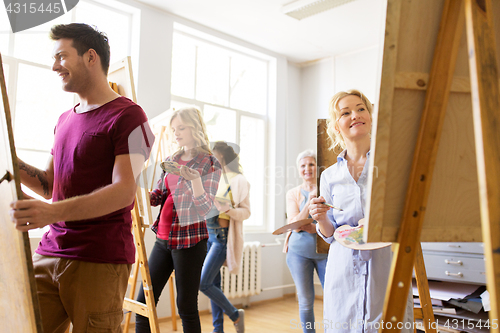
191,117
336,139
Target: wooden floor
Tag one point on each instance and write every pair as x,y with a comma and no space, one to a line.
281,315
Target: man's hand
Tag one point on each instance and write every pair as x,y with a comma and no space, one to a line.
32,214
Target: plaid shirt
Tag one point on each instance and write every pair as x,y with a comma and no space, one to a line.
189,213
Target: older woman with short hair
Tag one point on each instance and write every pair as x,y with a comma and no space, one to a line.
300,244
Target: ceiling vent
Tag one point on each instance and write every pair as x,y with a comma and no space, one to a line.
301,9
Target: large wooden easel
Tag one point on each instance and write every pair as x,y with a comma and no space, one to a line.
436,143
19,308
121,80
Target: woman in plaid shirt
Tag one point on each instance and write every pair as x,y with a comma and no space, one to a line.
181,231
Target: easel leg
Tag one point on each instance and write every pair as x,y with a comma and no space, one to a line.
172,301
486,111
423,291
132,281
424,158
148,309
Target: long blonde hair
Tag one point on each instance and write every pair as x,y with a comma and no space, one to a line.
337,140
191,117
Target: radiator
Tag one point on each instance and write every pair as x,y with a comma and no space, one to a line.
247,281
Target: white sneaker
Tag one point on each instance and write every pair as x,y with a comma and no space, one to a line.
240,325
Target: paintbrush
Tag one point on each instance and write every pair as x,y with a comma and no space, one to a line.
332,206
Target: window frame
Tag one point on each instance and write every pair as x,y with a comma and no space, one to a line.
265,225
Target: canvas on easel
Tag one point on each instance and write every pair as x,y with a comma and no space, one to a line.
325,158
19,308
435,145
452,210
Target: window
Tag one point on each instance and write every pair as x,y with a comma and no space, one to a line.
231,88
6,72
36,38
36,107
4,33
35,94
115,23
217,118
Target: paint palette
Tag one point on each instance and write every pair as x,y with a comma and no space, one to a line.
291,226
171,167
352,237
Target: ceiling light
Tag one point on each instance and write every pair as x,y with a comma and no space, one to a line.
304,8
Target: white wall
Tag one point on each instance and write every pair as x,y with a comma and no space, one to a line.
294,139
153,75
358,70
317,85
318,82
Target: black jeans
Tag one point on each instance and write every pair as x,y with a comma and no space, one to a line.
187,264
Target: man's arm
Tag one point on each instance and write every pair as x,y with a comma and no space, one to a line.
119,194
39,181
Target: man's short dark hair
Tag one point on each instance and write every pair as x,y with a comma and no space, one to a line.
84,37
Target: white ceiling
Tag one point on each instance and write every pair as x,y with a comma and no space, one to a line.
353,26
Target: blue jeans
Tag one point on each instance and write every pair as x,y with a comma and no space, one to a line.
302,270
210,278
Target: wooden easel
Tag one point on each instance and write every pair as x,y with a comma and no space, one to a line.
19,308
139,230
141,263
123,83
325,159
422,204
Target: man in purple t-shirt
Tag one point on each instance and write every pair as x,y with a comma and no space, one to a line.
83,262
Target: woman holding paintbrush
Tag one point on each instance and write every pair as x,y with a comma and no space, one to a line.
356,280
300,244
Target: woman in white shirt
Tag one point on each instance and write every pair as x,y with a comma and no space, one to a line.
355,281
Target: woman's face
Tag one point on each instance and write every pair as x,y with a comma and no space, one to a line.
355,121
182,133
307,168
